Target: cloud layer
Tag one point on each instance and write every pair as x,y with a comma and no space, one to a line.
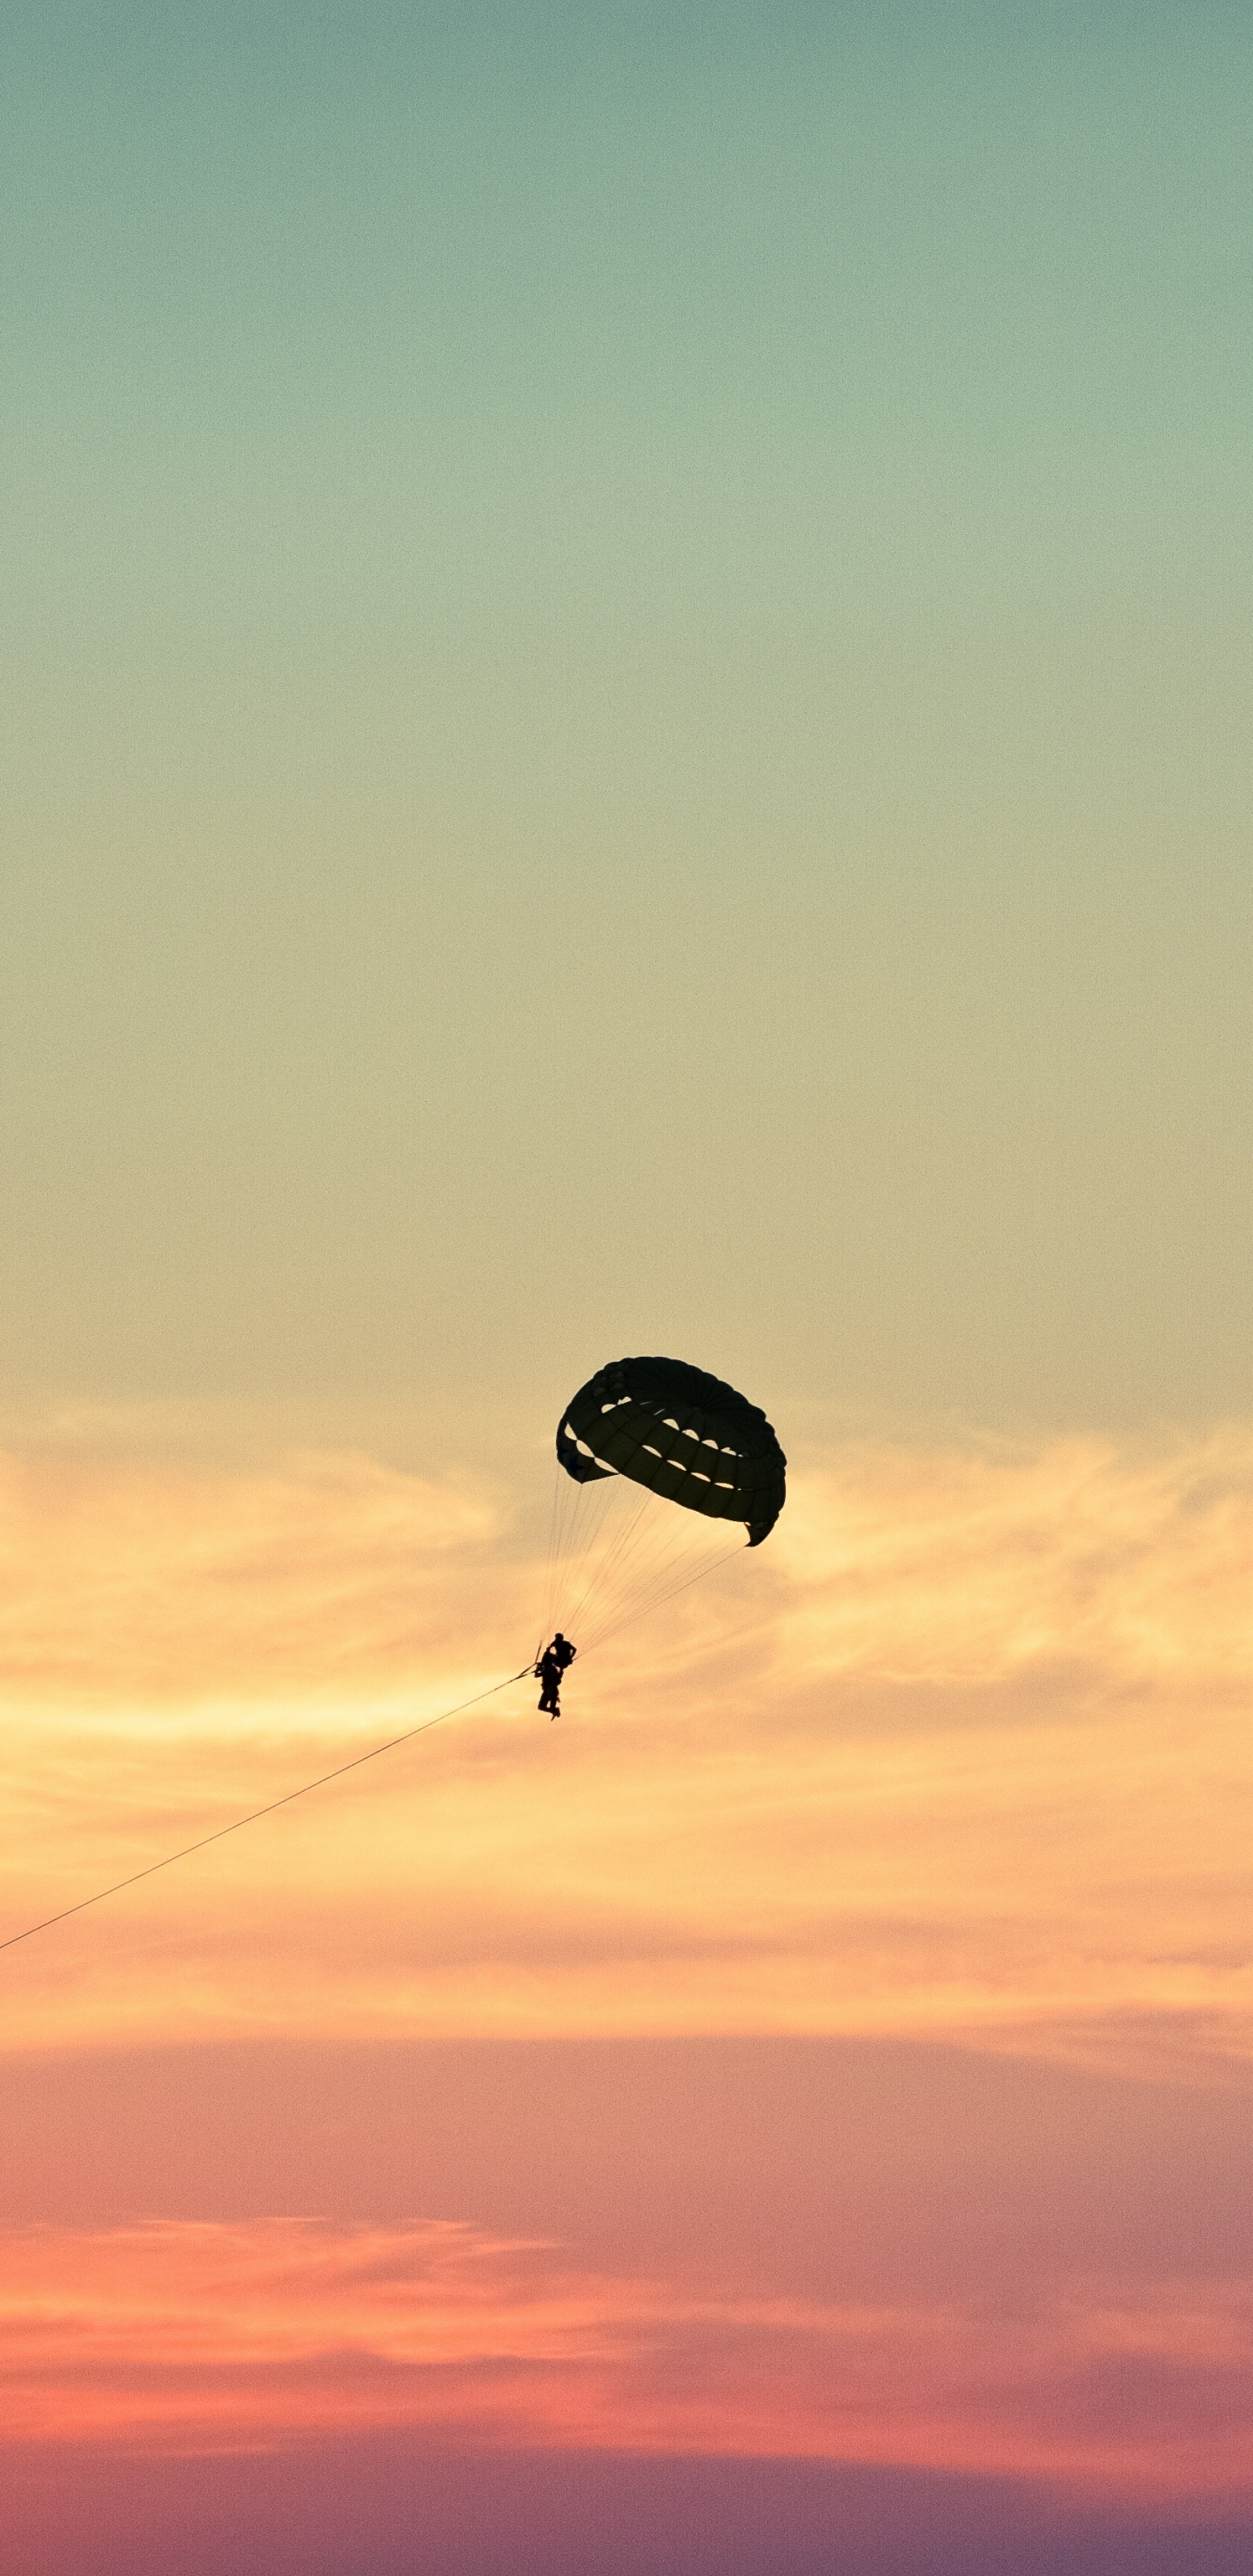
964,1750
220,2337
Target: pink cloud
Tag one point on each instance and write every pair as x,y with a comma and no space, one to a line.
233,2337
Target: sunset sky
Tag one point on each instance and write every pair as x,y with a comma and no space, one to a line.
626,647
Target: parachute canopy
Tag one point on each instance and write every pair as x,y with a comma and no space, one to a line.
682,1434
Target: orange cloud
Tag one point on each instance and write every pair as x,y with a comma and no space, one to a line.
965,1750
204,2337
165,1582
976,1565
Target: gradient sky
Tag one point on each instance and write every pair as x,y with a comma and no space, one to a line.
626,655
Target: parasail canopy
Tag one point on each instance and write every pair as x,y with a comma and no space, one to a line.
682,1434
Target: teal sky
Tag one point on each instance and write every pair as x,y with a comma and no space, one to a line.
627,671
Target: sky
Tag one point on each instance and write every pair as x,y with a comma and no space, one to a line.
625,651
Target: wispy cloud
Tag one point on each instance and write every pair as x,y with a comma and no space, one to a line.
155,1583
209,2336
974,1566
965,1749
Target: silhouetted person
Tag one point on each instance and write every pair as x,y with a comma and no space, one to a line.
551,1669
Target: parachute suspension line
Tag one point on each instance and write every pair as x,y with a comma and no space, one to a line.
617,1546
623,1535
641,1610
652,1551
620,1573
553,1519
586,1516
389,1745
671,1573
556,1537
656,1547
580,1513
561,1513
